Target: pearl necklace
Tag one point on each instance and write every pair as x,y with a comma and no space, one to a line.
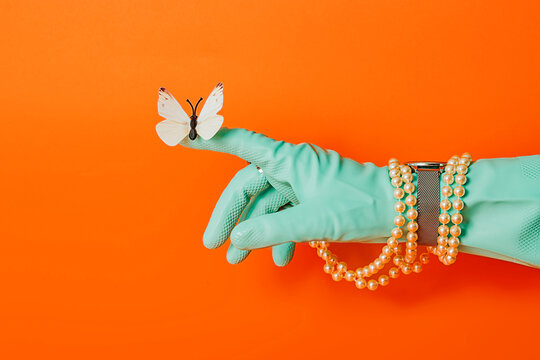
446,250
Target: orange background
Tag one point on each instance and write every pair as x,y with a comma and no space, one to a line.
101,223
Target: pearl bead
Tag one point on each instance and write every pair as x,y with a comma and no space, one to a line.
410,251
324,244
392,242
458,204
385,258
410,258
313,244
337,276
410,200
399,207
455,230
396,181
417,267
326,255
372,285
397,232
393,272
412,214
372,268
444,218
461,179
446,204
450,169
399,193
393,160
332,260
399,220
321,252
464,161
327,268
365,271
358,272
406,269
349,275
453,242
446,191
466,155
407,177
441,249
387,250
412,236
409,188
398,260
452,161
341,267
459,191
452,251
393,173
448,178
442,240
457,218
443,230
393,166
405,169
360,283
411,245
379,264
450,259
384,280
462,169
412,226
424,258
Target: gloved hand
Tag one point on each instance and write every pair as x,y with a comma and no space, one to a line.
334,198
339,199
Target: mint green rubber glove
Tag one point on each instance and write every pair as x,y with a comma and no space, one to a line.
339,199
502,209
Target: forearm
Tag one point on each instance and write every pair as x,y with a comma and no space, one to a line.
502,209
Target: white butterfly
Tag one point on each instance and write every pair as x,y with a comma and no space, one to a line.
178,124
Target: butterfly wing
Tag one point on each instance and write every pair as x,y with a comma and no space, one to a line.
172,131
208,127
175,127
169,108
213,104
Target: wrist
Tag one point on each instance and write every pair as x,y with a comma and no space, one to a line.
501,218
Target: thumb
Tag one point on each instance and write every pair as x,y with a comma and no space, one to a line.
299,224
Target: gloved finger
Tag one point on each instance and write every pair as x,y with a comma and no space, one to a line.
267,202
283,253
299,223
253,147
246,183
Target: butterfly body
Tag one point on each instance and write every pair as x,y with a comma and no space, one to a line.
193,126
177,124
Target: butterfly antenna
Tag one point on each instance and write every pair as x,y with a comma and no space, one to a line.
190,104
197,105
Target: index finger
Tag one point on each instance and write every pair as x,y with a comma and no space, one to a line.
253,147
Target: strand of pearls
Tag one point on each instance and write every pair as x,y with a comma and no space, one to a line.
391,252
446,249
